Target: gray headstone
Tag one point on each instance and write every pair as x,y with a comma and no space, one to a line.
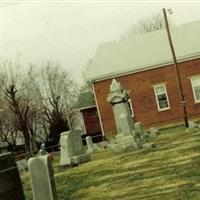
42,150
148,146
72,150
42,179
153,132
139,128
22,165
91,148
10,182
192,125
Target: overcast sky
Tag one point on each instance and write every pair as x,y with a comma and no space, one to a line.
70,32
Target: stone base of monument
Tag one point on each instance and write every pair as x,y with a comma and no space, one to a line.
75,160
124,139
94,149
118,148
123,143
148,146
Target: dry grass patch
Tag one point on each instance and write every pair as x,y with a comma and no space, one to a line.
172,171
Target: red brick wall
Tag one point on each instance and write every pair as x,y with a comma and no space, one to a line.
143,98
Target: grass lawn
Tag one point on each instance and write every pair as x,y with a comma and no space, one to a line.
170,172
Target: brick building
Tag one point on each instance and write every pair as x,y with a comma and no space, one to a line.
143,64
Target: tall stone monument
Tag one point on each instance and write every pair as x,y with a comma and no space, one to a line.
118,97
72,149
10,182
42,179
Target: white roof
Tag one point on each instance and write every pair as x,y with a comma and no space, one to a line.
144,51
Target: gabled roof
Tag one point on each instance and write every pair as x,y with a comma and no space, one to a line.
85,100
144,51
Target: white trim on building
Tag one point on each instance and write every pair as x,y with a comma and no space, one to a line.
131,107
96,101
160,91
195,83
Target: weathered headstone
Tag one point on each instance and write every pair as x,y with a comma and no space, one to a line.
72,149
118,97
10,182
91,148
148,146
192,125
22,164
139,129
153,132
42,179
42,150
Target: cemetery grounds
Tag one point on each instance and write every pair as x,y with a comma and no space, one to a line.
169,172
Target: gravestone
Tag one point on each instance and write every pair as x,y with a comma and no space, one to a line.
10,182
42,179
153,131
22,164
42,150
118,98
129,134
192,125
139,129
91,148
72,149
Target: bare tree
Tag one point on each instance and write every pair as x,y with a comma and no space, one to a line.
8,131
23,117
55,93
148,24
40,100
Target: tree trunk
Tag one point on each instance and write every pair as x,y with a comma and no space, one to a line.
27,146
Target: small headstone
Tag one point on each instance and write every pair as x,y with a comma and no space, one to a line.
10,182
153,132
192,125
72,149
22,165
42,179
103,144
42,150
139,129
148,146
91,148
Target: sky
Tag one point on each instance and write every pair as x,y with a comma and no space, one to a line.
69,32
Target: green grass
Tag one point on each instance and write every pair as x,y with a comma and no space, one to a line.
170,172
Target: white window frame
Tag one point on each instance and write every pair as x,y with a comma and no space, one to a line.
192,85
131,107
165,89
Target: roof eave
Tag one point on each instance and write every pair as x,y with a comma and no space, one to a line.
127,72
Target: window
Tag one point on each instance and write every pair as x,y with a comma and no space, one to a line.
161,97
195,81
130,107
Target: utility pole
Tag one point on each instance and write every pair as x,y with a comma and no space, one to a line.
183,102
